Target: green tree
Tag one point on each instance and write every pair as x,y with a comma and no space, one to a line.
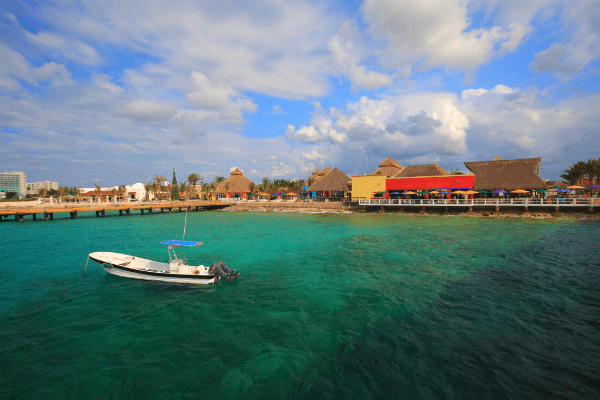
98,191
592,169
193,180
43,193
575,173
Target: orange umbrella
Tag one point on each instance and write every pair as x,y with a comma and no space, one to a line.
519,191
575,187
409,192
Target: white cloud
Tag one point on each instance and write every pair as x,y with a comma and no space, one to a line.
346,60
436,33
71,49
143,110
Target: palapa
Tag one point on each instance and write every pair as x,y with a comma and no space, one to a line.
333,181
506,174
388,167
412,171
236,183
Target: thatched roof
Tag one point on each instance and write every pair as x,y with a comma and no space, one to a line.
334,181
556,183
421,170
496,159
388,167
506,174
238,183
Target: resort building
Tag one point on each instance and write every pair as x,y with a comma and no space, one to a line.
366,186
13,182
506,175
440,183
421,170
34,188
237,186
331,184
388,167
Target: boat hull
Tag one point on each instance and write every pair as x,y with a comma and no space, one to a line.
138,268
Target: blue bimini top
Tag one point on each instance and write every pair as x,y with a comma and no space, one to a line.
181,243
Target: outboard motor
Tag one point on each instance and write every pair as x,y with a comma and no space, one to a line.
220,268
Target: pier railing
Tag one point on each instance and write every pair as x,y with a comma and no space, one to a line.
520,202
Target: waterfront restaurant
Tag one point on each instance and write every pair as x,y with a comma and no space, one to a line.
444,184
507,175
330,185
237,186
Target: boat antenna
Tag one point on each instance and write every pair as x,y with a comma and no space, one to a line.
185,223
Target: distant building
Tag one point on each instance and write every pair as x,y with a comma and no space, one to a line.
34,188
13,182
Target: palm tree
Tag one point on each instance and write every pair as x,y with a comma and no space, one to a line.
575,173
592,167
455,171
76,193
185,189
113,193
193,179
98,191
61,194
122,191
43,193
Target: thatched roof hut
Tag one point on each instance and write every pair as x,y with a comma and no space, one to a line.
333,181
236,183
556,183
506,174
421,170
388,167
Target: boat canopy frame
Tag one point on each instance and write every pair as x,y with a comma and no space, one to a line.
173,247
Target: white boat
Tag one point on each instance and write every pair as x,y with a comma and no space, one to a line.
176,270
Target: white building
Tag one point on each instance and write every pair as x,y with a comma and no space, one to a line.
13,182
34,188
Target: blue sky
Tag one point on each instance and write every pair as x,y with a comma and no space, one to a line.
117,92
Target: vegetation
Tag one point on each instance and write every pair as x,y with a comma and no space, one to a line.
580,171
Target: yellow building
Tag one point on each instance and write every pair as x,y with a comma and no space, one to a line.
365,186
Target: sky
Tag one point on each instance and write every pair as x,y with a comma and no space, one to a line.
113,92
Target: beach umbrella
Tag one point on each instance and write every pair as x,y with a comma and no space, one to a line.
575,187
594,187
499,191
540,191
556,187
519,191
483,191
458,192
470,192
562,191
434,192
410,192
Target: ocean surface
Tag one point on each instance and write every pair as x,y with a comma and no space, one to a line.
327,306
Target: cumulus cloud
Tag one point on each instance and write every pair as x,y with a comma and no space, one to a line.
432,33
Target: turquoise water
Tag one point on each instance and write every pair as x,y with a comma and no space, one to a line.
327,306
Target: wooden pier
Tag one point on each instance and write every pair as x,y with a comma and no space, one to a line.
101,210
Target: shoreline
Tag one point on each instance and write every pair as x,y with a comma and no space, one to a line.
339,208
324,208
